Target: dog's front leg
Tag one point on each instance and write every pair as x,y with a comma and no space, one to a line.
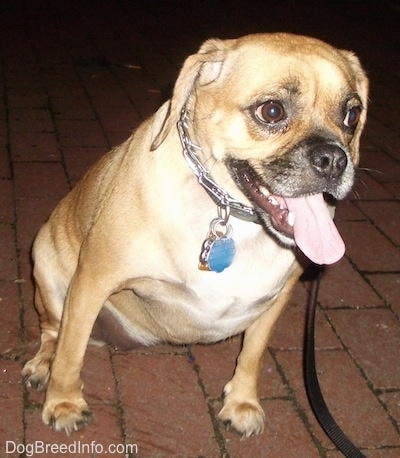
242,409
65,407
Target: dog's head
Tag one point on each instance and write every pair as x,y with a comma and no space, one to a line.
278,117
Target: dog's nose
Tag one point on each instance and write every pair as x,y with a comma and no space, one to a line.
329,161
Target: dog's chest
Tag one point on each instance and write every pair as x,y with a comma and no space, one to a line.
200,306
241,292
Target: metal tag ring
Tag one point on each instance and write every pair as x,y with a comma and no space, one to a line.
220,226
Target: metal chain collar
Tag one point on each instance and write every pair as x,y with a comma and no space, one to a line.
220,197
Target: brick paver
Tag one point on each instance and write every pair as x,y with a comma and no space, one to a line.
76,78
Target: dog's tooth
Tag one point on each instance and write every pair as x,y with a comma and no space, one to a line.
290,219
272,200
264,191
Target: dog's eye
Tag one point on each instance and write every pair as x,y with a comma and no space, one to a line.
352,117
270,112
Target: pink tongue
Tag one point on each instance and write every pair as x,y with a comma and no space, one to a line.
314,231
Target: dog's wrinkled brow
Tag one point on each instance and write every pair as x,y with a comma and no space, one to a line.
284,89
292,86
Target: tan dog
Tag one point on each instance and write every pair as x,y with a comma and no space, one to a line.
267,124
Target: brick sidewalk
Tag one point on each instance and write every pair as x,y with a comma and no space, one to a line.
76,78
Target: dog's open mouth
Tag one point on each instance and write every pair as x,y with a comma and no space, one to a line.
303,220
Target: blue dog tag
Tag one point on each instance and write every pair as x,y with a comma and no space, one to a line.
218,248
221,254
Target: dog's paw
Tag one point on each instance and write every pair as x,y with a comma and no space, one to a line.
67,416
36,373
246,417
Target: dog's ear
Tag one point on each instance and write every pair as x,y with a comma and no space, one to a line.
198,70
358,74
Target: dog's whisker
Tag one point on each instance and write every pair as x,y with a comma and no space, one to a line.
355,194
367,169
362,181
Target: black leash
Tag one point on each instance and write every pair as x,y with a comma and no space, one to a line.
313,389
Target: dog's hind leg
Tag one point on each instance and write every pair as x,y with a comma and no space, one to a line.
51,272
242,409
49,304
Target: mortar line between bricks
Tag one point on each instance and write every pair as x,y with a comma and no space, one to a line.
50,107
49,104
116,79
97,117
21,305
143,70
128,96
373,224
387,199
381,149
119,405
323,310
363,272
219,437
296,404
365,276
57,135
388,390
369,383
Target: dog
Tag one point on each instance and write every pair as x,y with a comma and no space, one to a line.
197,227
